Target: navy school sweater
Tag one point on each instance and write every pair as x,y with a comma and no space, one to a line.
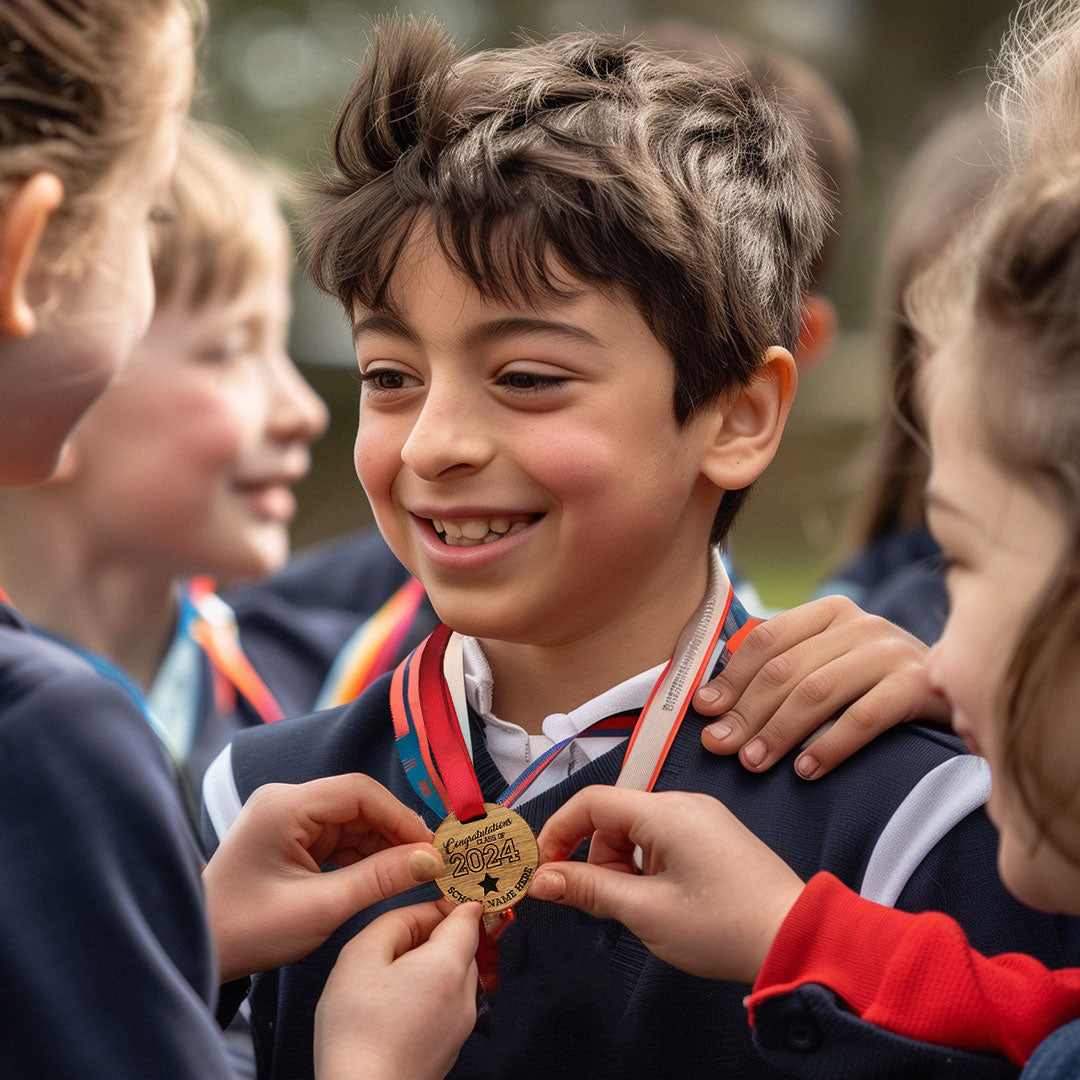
584,998
106,960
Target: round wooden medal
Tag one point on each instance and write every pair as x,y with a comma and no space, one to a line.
491,859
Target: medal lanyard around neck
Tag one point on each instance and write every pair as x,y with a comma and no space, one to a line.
431,720
372,649
211,624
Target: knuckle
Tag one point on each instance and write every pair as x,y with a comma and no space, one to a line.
765,635
581,892
722,682
266,797
817,688
385,878
839,606
777,671
862,719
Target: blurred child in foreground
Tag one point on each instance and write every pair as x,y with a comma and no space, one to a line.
111,959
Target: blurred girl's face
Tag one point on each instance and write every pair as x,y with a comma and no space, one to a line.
1002,537
186,464
89,322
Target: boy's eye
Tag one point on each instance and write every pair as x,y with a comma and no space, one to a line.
384,379
530,381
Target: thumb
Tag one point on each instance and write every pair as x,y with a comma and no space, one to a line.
596,890
342,892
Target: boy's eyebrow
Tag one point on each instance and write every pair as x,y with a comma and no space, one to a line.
513,325
384,322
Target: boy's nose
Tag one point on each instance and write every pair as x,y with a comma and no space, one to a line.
446,436
298,412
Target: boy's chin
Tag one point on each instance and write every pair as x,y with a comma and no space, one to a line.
256,562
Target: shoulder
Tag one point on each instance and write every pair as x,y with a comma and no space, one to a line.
46,690
76,742
873,818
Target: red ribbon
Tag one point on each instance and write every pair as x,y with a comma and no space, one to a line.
444,733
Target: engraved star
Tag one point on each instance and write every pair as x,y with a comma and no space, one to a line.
489,884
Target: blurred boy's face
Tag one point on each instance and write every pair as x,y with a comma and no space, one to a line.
525,463
1002,539
186,464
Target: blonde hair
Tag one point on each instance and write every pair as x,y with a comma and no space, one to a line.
76,93
217,244
1013,290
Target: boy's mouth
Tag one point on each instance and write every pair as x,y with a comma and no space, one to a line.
471,532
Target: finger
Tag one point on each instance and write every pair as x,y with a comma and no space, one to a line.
612,850
343,892
612,810
458,935
890,702
396,932
603,893
799,680
766,641
811,702
354,797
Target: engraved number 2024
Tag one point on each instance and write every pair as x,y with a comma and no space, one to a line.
475,859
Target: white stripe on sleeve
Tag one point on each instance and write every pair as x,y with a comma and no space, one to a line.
940,800
220,797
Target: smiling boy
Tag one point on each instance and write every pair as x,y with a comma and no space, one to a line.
574,271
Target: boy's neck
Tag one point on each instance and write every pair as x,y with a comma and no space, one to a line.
530,682
125,614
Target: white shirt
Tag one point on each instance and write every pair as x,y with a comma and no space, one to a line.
512,748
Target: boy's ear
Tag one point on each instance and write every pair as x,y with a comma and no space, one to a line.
750,423
817,331
22,224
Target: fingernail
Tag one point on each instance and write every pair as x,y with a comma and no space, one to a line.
711,696
425,865
808,767
547,885
720,730
753,753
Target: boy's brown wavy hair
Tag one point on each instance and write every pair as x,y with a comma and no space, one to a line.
589,157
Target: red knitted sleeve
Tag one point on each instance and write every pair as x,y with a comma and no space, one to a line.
915,975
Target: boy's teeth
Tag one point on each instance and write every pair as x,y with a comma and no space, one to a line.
475,530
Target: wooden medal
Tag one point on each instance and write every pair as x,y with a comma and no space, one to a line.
491,859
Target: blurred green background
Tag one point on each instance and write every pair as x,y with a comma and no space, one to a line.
274,72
